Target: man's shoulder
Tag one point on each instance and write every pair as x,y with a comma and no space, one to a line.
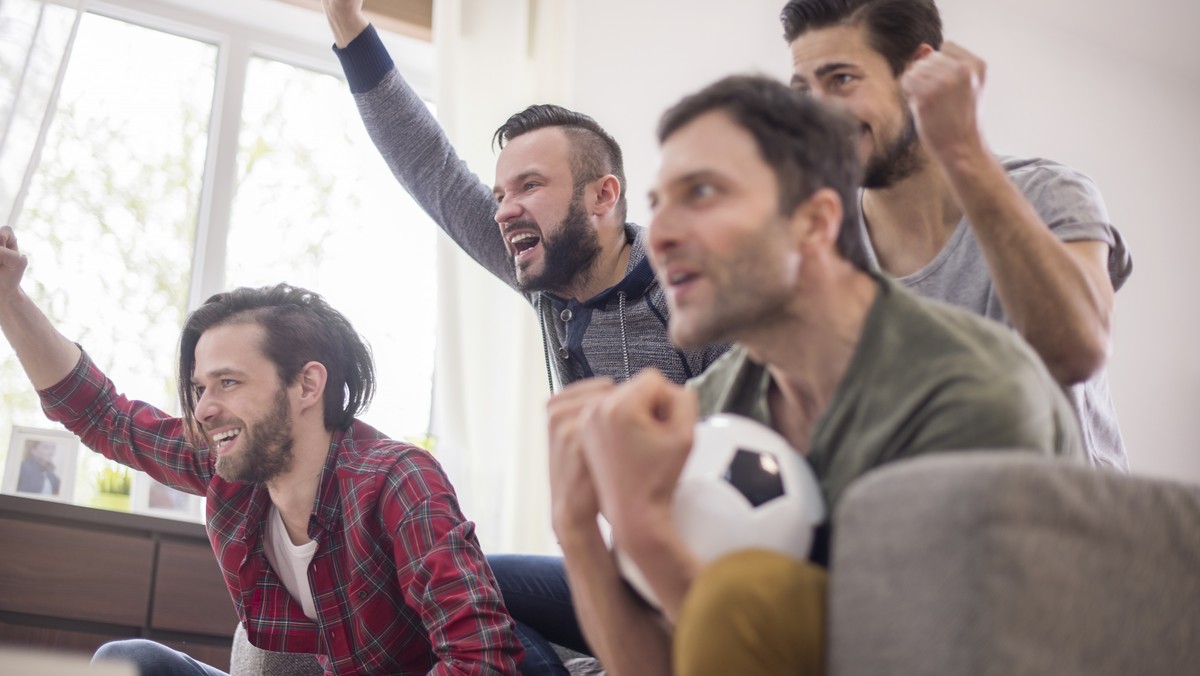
973,379
926,328
365,450
714,387
1032,174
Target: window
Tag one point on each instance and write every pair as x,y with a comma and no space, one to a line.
140,206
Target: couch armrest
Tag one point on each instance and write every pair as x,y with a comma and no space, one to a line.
248,660
1002,563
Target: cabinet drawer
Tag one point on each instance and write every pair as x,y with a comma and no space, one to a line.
189,593
74,573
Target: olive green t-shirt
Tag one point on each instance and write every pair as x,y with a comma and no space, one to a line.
925,377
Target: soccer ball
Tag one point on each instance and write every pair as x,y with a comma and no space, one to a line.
742,487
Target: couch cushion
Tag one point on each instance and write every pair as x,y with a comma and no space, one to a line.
1001,563
247,660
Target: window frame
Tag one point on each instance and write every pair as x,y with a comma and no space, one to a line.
242,30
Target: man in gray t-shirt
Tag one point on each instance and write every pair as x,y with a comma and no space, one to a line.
1025,242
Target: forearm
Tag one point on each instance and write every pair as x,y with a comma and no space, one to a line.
1059,300
650,538
45,354
421,157
627,636
442,572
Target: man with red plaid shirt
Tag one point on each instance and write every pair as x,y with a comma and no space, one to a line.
332,538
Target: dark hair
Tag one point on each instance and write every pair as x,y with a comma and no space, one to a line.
807,144
300,327
895,28
594,153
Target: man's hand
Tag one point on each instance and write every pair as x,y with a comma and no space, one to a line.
574,505
12,264
347,20
943,90
636,440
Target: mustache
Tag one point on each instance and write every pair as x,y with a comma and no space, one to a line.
513,226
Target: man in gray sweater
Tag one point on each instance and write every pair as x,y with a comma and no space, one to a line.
553,228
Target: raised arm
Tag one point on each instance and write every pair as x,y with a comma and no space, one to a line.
45,354
1058,295
131,432
414,145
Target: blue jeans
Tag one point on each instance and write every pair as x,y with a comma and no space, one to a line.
153,659
537,596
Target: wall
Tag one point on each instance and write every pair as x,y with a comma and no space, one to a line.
1098,85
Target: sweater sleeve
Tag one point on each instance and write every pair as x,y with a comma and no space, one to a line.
421,157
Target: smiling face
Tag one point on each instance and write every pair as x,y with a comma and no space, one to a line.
243,409
838,66
719,245
541,216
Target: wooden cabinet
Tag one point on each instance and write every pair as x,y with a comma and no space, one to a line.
72,578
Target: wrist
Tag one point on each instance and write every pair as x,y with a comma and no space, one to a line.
644,530
579,538
11,298
964,156
347,26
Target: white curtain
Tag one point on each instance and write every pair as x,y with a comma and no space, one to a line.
494,58
35,45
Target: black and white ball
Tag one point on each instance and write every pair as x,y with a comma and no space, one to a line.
742,487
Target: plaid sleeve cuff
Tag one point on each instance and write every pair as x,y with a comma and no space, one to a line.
71,397
365,61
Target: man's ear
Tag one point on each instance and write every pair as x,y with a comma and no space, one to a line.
923,51
605,193
311,379
818,219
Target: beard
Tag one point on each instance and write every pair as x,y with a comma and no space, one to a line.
568,255
751,293
266,449
898,160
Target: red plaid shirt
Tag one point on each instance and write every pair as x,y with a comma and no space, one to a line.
398,578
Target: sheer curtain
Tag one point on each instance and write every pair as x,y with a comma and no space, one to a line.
35,46
494,58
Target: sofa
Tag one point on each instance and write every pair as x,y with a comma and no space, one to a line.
988,563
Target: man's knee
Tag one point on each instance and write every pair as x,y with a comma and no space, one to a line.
752,611
146,655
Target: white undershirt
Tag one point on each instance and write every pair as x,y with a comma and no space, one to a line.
290,562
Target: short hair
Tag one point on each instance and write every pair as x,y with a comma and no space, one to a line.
299,327
895,28
594,152
808,145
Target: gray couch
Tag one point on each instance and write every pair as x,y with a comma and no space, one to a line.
997,563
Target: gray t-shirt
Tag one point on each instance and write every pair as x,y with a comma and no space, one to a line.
925,377
1071,205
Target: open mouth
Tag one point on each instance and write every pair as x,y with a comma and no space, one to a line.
680,278
223,440
523,243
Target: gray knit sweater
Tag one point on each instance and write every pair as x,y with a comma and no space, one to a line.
615,333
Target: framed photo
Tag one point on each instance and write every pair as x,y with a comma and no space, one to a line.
151,497
41,464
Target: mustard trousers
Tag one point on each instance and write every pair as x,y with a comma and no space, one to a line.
753,612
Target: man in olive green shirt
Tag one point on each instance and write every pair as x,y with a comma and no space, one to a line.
753,239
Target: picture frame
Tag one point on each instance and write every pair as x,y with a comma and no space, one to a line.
41,464
155,499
